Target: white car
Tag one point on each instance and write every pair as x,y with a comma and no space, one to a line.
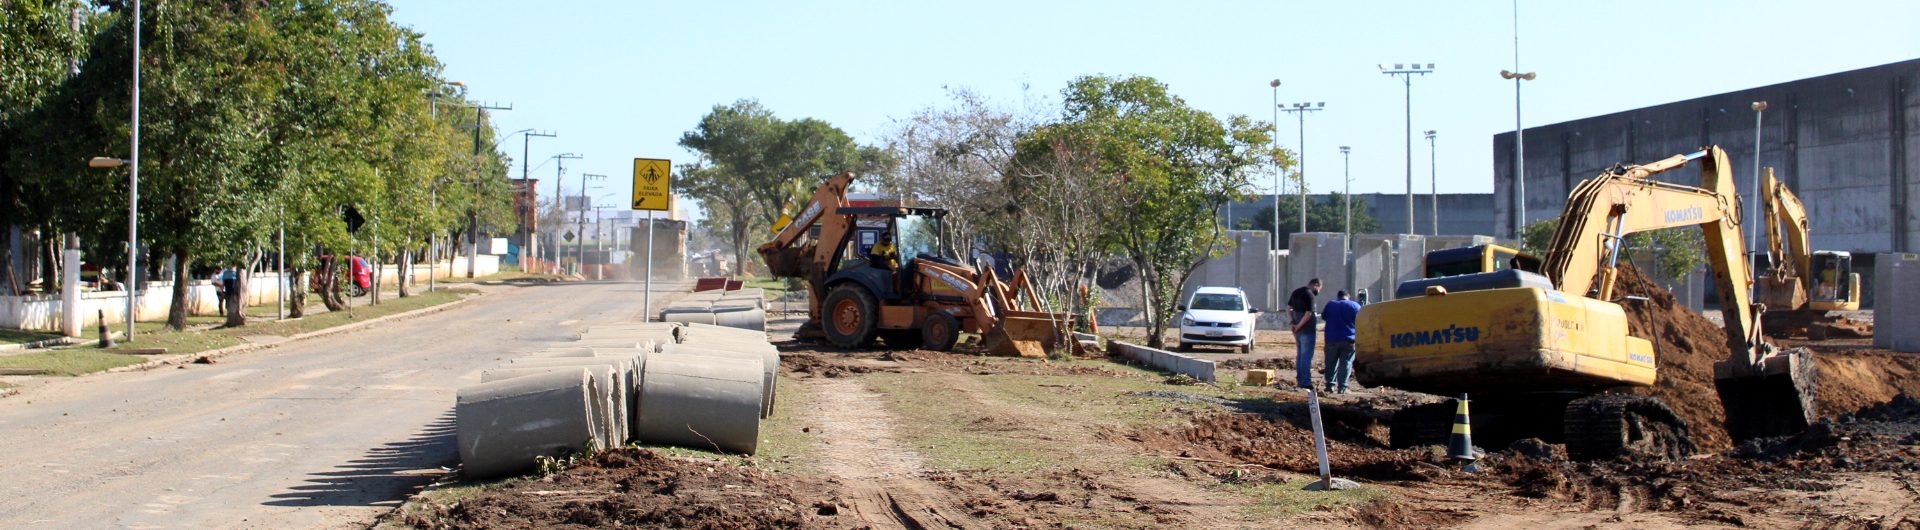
1219,316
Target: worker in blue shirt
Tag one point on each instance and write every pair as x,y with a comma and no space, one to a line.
1339,315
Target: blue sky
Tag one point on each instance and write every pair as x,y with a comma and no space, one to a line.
618,80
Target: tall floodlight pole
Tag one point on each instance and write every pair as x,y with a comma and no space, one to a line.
530,242
1433,182
1346,172
1276,165
1406,73
560,201
1519,134
1753,223
1301,110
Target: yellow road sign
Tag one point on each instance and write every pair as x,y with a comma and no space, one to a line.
652,180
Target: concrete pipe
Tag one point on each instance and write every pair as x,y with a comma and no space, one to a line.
638,360
562,352
769,360
742,317
757,296
607,408
502,426
702,401
695,331
628,344
688,314
703,296
623,376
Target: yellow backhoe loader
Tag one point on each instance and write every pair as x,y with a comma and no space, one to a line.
1539,349
915,299
1800,286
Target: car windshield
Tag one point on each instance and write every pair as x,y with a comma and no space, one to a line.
1217,302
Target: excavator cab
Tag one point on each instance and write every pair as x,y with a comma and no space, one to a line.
1835,286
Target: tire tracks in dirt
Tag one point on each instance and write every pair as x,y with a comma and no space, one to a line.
883,482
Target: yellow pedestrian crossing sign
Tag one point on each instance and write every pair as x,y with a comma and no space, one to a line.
652,181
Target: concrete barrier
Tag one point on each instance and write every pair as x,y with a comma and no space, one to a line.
1896,302
1201,369
502,427
702,401
769,359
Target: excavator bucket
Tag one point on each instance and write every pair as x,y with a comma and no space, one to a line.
1776,399
789,262
1025,334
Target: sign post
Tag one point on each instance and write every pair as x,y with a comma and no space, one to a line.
652,180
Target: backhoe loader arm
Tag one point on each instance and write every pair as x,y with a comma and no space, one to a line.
824,208
1603,211
1787,228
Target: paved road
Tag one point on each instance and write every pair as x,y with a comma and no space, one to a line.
323,433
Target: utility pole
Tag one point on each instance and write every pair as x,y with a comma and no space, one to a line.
473,210
529,240
580,225
1753,220
1406,72
1346,155
1433,182
560,201
133,186
1301,110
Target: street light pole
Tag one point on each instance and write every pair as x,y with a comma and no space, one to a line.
529,241
1433,182
133,185
1406,73
1753,223
1346,156
1276,165
1519,139
1301,110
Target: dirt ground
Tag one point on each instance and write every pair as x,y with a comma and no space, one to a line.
918,439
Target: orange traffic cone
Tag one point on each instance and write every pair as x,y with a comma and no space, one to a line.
1460,443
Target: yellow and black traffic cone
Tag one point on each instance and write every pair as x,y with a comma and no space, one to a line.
1460,443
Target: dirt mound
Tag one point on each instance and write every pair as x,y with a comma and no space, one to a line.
1853,379
627,488
1687,345
1884,437
1274,441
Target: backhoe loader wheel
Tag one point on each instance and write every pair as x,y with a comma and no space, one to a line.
940,331
851,316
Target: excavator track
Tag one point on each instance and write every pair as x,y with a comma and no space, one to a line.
1605,426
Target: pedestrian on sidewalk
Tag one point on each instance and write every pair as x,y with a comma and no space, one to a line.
219,287
230,286
1300,314
1340,314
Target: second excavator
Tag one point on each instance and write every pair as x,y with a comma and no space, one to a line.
1802,287
1541,342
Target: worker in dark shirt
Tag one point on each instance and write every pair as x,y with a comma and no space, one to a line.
1300,315
1340,314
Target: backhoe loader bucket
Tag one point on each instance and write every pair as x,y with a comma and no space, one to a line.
1774,400
790,262
1025,334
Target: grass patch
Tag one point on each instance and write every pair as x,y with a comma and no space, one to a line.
14,336
1280,499
71,361
985,422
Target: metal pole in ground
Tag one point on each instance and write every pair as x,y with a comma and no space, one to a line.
1326,482
646,299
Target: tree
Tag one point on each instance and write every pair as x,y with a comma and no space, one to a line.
1328,215
1166,167
730,207
42,43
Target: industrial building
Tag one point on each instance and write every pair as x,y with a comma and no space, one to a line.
1460,213
1846,143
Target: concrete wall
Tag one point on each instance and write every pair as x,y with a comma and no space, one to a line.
1379,262
1158,359
1896,318
1317,255
1460,213
1247,265
1847,143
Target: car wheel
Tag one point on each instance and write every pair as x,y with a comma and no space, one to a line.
1246,348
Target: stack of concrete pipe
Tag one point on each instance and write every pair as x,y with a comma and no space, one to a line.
744,309
691,384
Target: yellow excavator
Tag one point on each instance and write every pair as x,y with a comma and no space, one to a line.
1801,286
915,299
1539,349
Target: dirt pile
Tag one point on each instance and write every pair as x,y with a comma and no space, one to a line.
1884,437
1853,379
1275,441
1686,345
627,488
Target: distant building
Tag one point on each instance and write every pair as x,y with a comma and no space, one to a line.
1460,213
1847,143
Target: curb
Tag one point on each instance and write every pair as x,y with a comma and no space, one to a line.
242,348
56,341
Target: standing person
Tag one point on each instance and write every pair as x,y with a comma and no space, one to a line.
229,284
1300,313
1339,314
219,287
